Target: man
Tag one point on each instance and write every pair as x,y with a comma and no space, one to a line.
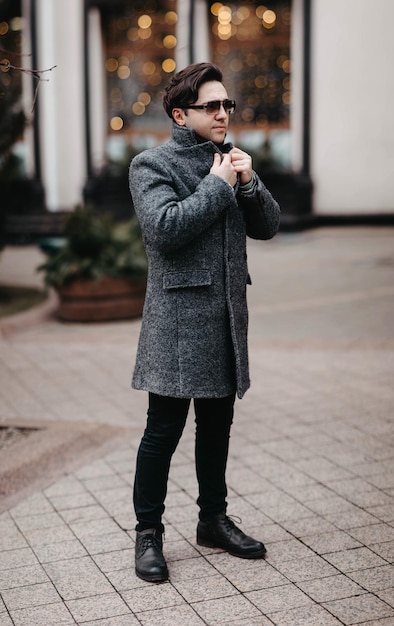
196,198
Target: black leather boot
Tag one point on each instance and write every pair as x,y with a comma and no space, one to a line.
150,564
221,532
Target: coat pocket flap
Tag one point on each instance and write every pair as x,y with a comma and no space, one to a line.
190,278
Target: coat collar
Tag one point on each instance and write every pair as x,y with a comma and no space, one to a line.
187,138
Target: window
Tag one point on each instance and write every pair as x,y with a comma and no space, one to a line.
251,43
140,43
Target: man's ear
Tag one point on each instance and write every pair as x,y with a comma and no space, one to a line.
179,116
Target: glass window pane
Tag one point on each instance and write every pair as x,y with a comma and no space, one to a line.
251,43
140,41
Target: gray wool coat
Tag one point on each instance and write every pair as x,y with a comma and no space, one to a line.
193,340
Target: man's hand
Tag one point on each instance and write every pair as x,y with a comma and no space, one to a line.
242,164
224,168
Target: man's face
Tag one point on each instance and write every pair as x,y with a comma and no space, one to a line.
208,126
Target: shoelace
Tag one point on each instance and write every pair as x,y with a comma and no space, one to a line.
149,541
230,520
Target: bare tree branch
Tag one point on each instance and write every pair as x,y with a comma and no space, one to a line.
36,74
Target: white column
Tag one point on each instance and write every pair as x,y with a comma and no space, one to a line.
182,35
201,51
201,32
97,90
297,82
62,132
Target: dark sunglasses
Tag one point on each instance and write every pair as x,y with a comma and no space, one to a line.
213,106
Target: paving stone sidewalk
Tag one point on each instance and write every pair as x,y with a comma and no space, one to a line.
311,469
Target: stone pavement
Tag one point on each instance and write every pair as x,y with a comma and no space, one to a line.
311,469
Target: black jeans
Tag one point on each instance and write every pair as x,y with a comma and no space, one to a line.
165,424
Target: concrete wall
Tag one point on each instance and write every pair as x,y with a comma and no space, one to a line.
352,131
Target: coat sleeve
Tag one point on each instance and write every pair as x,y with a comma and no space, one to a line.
261,211
167,220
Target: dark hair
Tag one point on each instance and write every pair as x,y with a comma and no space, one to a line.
184,85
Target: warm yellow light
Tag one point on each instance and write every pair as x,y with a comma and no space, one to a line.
123,72
124,60
269,19
224,15
3,28
168,65
260,11
286,97
240,15
144,97
144,21
286,66
148,68
116,123
144,33
169,41
224,30
171,17
215,8
111,65
138,108
17,23
5,65
243,13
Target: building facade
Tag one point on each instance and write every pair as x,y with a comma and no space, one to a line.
311,78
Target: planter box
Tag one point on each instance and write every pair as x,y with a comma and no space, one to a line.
97,301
